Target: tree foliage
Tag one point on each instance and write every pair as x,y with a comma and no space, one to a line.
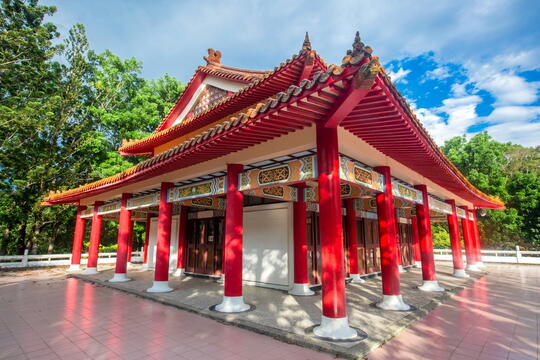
64,110
511,173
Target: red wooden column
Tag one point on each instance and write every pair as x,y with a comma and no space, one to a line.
161,272
124,234
392,299
416,242
429,276
334,321
182,241
130,241
301,281
78,236
468,239
95,235
478,245
233,301
146,239
352,232
453,227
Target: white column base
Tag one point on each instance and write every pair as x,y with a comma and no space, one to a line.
480,265
393,302
472,267
74,267
119,278
430,285
301,290
401,269
221,279
418,264
232,304
90,271
460,273
159,287
335,328
178,272
356,279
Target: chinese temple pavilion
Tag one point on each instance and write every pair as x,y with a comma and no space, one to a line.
306,174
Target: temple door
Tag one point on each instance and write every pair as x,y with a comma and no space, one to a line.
371,237
405,236
361,246
313,248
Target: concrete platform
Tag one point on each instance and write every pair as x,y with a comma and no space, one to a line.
290,318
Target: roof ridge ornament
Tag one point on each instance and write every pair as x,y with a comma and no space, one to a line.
307,44
214,57
359,51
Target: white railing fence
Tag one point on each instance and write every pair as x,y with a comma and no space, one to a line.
516,256
27,261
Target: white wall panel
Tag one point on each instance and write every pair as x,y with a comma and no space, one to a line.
152,245
267,238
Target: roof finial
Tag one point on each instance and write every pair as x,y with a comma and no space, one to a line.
358,52
214,57
307,44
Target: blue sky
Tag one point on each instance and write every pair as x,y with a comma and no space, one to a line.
465,66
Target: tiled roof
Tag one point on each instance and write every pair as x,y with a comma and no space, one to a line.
234,102
214,141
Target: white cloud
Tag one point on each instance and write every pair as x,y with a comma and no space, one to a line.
511,114
439,73
172,36
453,118
519,132
399,76
506,87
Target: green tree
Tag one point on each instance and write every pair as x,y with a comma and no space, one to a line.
64,110
511,173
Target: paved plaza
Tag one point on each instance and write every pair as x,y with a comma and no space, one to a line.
290,318
46,316
497,318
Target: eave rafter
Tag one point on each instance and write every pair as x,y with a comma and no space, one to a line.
356,95
359,86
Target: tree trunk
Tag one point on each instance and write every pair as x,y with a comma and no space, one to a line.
21,243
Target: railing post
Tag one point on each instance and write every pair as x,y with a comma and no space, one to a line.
518,254
25,258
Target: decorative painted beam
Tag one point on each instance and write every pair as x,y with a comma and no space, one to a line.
280,192
294,171
143,201
439,206
311,194
368,205
406,192
88,212
215,203
353,172
211,187
110,208
461,213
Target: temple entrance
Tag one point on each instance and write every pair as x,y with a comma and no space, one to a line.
405,241
205,245
370,236
314,244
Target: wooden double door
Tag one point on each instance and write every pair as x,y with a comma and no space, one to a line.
205,245
369,253
406,244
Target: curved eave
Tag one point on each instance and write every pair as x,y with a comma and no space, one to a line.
385,121
382,119
278,80
265,121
